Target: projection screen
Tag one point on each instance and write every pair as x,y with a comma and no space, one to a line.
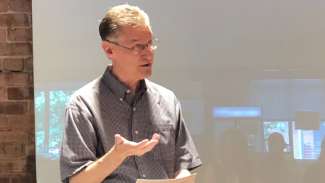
247,66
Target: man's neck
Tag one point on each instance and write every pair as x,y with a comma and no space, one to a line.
130,83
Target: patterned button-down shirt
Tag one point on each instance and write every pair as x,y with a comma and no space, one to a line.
105,107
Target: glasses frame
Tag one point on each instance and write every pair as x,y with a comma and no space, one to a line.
138,48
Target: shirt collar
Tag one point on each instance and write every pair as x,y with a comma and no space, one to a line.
119,88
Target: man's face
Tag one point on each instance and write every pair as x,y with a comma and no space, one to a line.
128,57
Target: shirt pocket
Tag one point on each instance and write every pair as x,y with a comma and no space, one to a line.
165,149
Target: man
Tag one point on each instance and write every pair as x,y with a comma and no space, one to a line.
121,126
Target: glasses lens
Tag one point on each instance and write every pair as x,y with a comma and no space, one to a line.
141,47
155,42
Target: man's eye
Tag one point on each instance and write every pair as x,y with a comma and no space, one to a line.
139,46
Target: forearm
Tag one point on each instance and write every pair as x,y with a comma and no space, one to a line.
97,171
104,166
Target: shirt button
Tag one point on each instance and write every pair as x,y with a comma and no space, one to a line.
121,99
134,109
128,91
136,132
144,175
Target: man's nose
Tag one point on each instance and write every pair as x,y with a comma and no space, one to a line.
148,50
147,54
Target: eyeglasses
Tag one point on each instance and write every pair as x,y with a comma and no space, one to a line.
138,48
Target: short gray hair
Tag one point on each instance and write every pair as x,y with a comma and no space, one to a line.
119,16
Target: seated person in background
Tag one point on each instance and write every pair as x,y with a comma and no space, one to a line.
235,163
277,166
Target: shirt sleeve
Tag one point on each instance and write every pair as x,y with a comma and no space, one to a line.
187,156
78,148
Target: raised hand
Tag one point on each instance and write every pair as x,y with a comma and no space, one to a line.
128,148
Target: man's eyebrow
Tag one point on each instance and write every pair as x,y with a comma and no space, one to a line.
137,40
134,40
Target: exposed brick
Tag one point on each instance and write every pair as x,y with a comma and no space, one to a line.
14,19
28,64
18,119
4,179
13,107
16,166
30,19
17,141
31,150
31,139
3,34
4,7
2,94
19,123
31,104
15,64
16,108
14,137
2,79
19,34
20,5
4,127
31,163
15,49
20,93
2,109
31,79
12,149
3,119
28,178
17,79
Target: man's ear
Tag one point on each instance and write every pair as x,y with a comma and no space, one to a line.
107,48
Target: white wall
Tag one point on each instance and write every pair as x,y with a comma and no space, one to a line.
211,53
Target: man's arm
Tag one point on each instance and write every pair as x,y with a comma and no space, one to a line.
187,157
97,171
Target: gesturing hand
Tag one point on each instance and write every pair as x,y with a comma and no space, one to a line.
128,148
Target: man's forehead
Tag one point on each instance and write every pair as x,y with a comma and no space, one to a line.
134,34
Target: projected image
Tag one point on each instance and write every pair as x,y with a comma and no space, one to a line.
300,144
236,112
307,143
246,118
281,127
49,107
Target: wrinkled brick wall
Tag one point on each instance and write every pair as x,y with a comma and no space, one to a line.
17,147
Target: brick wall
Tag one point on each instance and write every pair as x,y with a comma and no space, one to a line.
17,147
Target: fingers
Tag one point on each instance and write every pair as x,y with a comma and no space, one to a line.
142,143
147,148
136,148
149,145
155,136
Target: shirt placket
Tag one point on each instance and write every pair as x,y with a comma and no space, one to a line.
138,134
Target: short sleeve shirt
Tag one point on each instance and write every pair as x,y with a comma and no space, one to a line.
105,107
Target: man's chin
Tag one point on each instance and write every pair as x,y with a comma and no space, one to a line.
145,76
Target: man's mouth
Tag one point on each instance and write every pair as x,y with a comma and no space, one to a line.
146,65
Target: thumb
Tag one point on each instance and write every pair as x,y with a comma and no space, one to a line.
118,139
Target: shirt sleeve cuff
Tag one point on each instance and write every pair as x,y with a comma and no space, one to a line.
190,165
76,171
